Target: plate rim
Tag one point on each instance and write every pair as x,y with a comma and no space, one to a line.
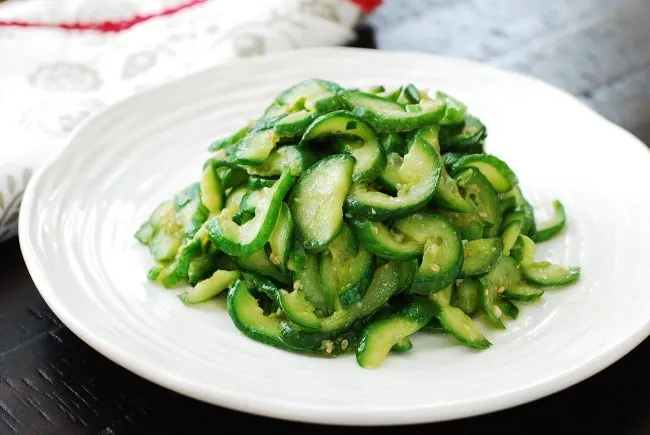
259,405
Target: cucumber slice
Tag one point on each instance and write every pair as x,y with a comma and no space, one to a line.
487,298
442,298
465,137
385,115
258,262
508,309
454,110
462,328
307,280
467,296
392,143
402,346
244,240
510,235
212,193
281,239
295,159
553,227
255,147
317,201
256,182
504,274
383,242
313,95
494,169
481,255
407,271
524,293
211,287
294,124
548,274
419,176
381,336
250,200
443,250
201,267
230,140
343,274
250,319
369,155
447,194
389,177
384,284
433,327
524,250
232,177
477,190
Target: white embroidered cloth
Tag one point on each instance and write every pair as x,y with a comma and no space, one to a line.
51,79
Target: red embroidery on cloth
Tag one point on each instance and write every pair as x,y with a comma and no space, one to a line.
112,26
108,26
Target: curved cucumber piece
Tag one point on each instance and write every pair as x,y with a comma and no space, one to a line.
443,250
524,293
389,177
345,272
553,227
232,177
250,319
255,147
462,328
307,280
392,143
402,346
488,297
477,190
227,141
447,194
407,271
467,296
454,110
385,115
281,238
510,235
258,262
504,274
481,255
381,336
317,201
385,243
212,194
384,284
508,308
244,240
419,176
210,287
312,95
369,155
524,250
548,274
295,159
465,137
494,169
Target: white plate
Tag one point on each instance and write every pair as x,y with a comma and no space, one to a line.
79,214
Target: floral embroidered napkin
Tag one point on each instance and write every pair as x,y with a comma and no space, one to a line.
61,61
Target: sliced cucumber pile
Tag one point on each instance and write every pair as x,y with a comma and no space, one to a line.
343,221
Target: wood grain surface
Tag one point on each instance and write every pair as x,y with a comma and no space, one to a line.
599,50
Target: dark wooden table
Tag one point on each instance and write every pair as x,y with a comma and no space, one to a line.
599,50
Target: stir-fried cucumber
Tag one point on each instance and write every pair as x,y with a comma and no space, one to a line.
342,221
